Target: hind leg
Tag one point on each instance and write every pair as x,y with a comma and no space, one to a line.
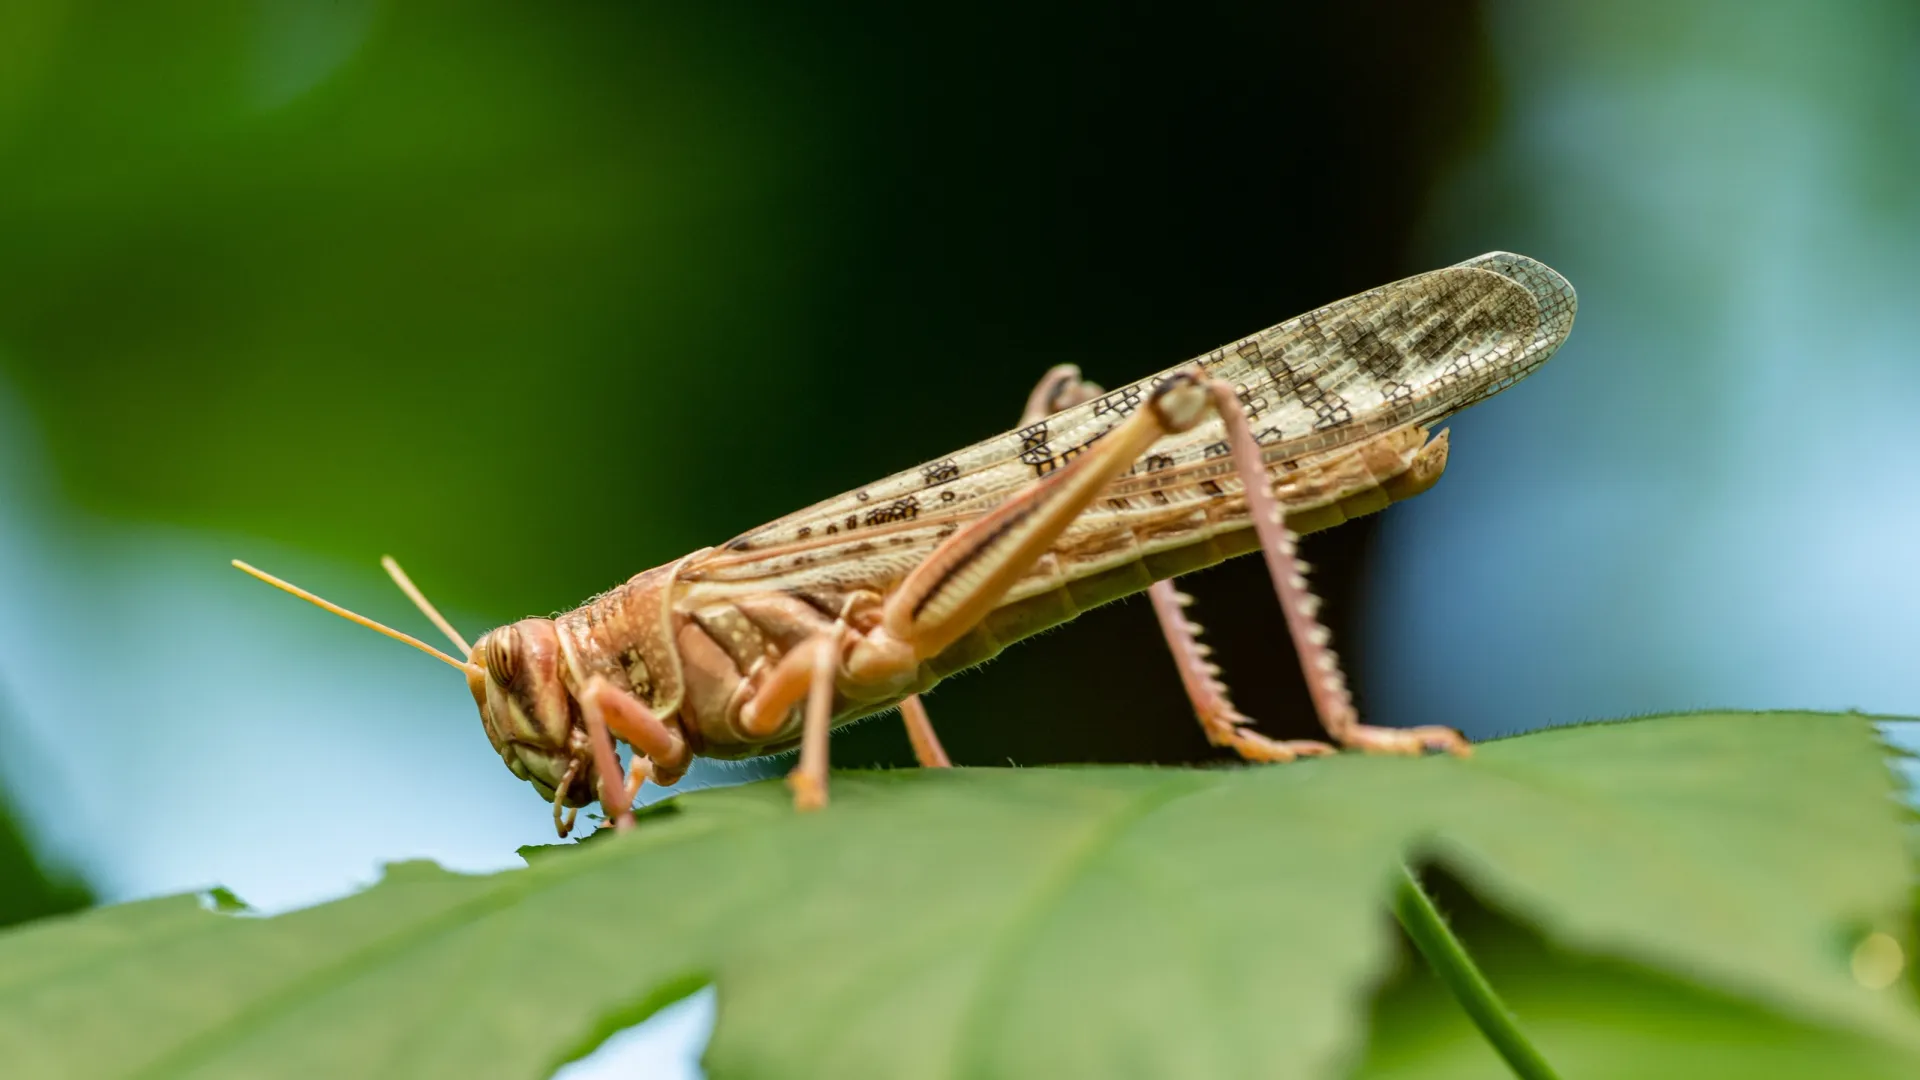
1325,682
1062,387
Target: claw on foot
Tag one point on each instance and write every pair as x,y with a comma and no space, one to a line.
808,792
1253,746
1411,741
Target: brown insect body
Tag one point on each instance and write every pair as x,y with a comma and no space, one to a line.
1344,398
694,656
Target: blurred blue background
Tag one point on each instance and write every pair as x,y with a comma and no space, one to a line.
535,297
1712,496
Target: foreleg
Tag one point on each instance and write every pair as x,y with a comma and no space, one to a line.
659,751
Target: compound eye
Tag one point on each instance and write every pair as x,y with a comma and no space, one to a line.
503,656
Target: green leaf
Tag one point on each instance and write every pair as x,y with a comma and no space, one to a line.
1600,1020
1042,922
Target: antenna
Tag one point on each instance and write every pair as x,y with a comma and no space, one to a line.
419,599
287,586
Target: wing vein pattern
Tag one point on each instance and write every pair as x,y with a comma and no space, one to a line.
1381,367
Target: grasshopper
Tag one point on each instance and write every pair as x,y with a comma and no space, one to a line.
863,602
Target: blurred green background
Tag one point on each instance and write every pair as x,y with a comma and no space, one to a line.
534,297
537,298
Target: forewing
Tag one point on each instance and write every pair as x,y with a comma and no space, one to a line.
1404,355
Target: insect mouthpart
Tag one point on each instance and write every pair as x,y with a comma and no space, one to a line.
528,712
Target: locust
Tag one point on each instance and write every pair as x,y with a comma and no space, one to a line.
863,602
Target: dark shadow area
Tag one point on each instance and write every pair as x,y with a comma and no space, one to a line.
30,888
